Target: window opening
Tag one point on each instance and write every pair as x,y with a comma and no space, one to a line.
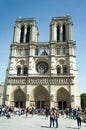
64,70
22,34
25,71
64,33
58,70
28,34
18,71
58,33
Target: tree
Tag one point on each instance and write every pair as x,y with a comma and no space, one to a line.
83,101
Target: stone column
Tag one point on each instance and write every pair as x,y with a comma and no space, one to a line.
27,100
51,101
70,31
33,32
67,32
61,32
53,32
70,49
25,32
17,31
36,34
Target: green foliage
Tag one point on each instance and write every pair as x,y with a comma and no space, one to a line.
83,100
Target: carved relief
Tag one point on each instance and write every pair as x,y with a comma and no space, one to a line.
46,81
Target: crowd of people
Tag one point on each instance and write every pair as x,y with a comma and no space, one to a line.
53,114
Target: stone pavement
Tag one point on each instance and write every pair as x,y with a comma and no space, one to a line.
37,122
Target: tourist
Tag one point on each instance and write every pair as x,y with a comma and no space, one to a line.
52,117
79,118
56,116
46,113
32,111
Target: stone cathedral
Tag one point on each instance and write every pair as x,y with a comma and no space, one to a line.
42,74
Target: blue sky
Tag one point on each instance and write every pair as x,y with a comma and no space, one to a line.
43,11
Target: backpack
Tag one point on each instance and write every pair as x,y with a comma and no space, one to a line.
52,114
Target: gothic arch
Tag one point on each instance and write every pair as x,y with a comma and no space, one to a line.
28,33
65,69
18,70
25,70
21,66
22,34
58,69
63,98
18,97
58,32
41,97
64,32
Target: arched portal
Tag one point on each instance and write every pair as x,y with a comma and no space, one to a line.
63,98
19,98
41,97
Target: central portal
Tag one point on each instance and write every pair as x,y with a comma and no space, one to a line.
19,104
41,97
40,104
62,105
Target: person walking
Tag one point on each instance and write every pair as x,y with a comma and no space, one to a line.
79,118
46,113
32,111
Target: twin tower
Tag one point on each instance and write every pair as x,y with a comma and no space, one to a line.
26,30
42,74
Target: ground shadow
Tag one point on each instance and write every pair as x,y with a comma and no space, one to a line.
45,126
71,127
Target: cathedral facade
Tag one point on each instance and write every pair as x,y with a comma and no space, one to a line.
42,74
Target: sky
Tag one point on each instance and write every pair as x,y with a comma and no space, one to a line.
43,11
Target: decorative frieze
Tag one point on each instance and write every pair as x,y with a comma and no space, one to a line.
41,80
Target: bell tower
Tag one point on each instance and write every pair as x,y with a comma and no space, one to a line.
61,29
25,31
63,56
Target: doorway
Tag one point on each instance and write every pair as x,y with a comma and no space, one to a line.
63,98
19,104
62,105
19,98
41,97
40,104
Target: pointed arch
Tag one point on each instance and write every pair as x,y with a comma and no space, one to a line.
18,70
18,97
63,98
25,70
58,70
65,70
28,34
22,34
41,97
64,32
58,33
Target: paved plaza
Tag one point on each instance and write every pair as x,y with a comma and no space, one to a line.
37,122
